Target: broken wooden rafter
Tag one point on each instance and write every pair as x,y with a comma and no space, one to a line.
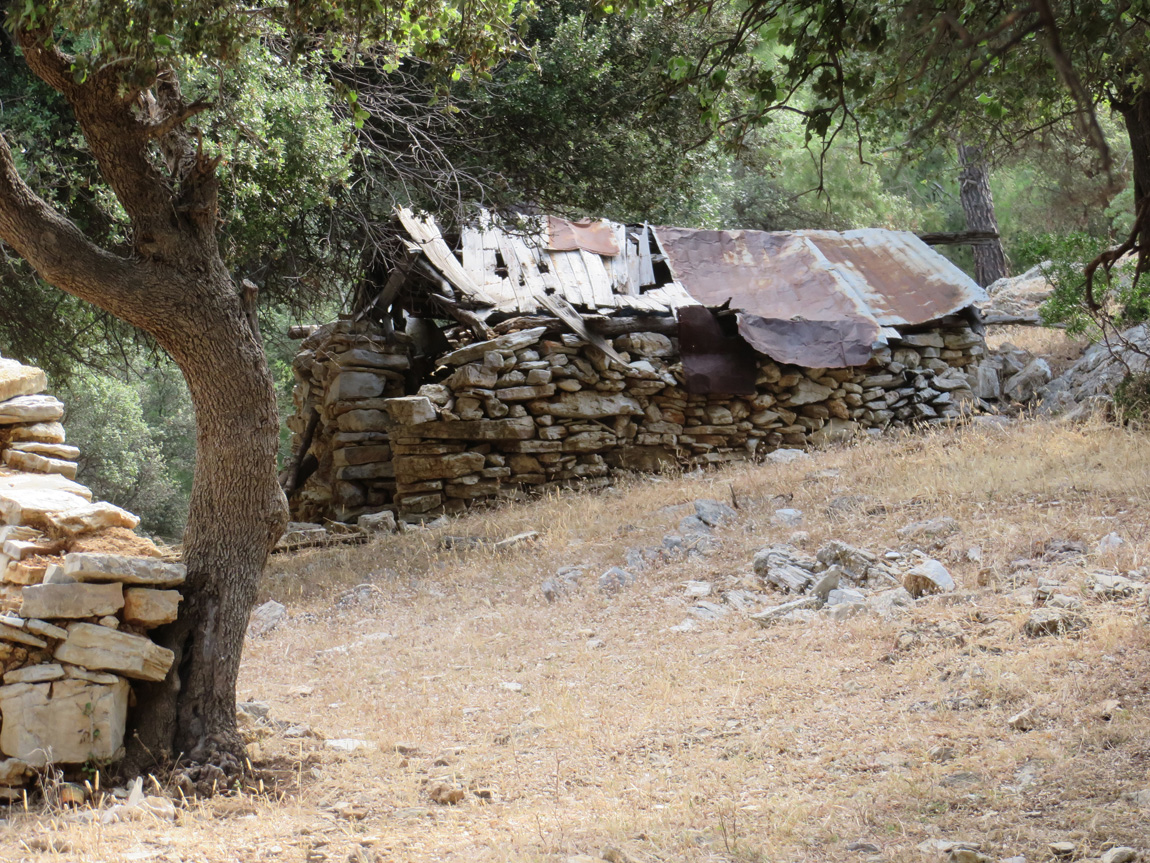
953,238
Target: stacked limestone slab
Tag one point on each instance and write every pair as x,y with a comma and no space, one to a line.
344,372
532,410
73,623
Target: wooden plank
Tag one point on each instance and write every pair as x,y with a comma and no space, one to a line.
582,279
473,255
617,265
426,233
564,311
599,280
646,266
532,283
565,278
490,262
515,273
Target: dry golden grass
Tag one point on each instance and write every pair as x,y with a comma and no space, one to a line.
727,743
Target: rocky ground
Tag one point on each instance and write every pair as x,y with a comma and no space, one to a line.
628,683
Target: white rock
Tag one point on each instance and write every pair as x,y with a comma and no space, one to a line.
148,608
377,522
31,409
95,516
66,721
1120,854
930,576
33,463
265,618
104,649
35,673
787,517
1110,542
17,379
348,744
71,601
93,566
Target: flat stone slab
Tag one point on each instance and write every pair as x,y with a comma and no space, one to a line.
103,649
34,463
36,673
149,608
19,636
52,450
146,571
71,601
505,344
31,409
65,721
17,379
95,516
34,506
40,432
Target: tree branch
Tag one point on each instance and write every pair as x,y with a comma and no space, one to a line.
59,251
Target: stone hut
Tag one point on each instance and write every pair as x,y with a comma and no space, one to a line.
549,352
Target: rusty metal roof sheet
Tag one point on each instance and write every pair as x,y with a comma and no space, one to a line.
853,285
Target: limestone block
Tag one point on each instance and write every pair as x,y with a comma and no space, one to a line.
52,450
95,516
19,636
360,455
24,572
103,649
17,379
354,385
13,771
45,629
526,393
149,608
32,507
508,343
377,522
521,428
36,673
645,344
371,359
363,421
807,392
586,404
31,409
43,482
471,376
37,432
33,463
18,549
93,566
65,722
412,468
71,601
922,340
410,410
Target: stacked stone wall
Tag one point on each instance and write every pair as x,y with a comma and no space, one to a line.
531,410
74,618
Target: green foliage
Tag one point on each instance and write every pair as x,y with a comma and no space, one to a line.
1122,300
137,442
1132,398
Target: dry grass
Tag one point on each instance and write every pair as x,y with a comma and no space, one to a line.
727,743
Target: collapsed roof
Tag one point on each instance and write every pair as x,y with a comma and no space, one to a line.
813,298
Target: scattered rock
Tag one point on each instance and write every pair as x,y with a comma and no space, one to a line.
713,513
446,795
770,616
615,579
785,567
1062,849
1110,543
928,577
265,618
1053,621
931,528
787,456
348,744
787,517
697,589
1107,586
1120,854
378,522
1024,720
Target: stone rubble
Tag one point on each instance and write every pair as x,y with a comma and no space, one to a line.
73,625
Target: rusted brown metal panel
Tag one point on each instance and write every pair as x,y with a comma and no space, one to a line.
597,236
713,362
817,298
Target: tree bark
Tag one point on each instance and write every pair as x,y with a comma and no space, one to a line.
978,205
1135,111
176,287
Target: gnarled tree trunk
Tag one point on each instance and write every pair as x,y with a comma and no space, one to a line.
174,286
1135,110
978,205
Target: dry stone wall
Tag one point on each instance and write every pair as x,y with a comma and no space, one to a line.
530,410
78,593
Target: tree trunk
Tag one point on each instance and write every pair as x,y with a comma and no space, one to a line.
237,513
176,287
1135,111
978,205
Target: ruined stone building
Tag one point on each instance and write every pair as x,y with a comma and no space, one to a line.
526,356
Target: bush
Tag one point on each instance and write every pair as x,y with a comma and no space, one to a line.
137,443
1132,398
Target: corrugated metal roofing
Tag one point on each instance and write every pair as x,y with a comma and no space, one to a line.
807,297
